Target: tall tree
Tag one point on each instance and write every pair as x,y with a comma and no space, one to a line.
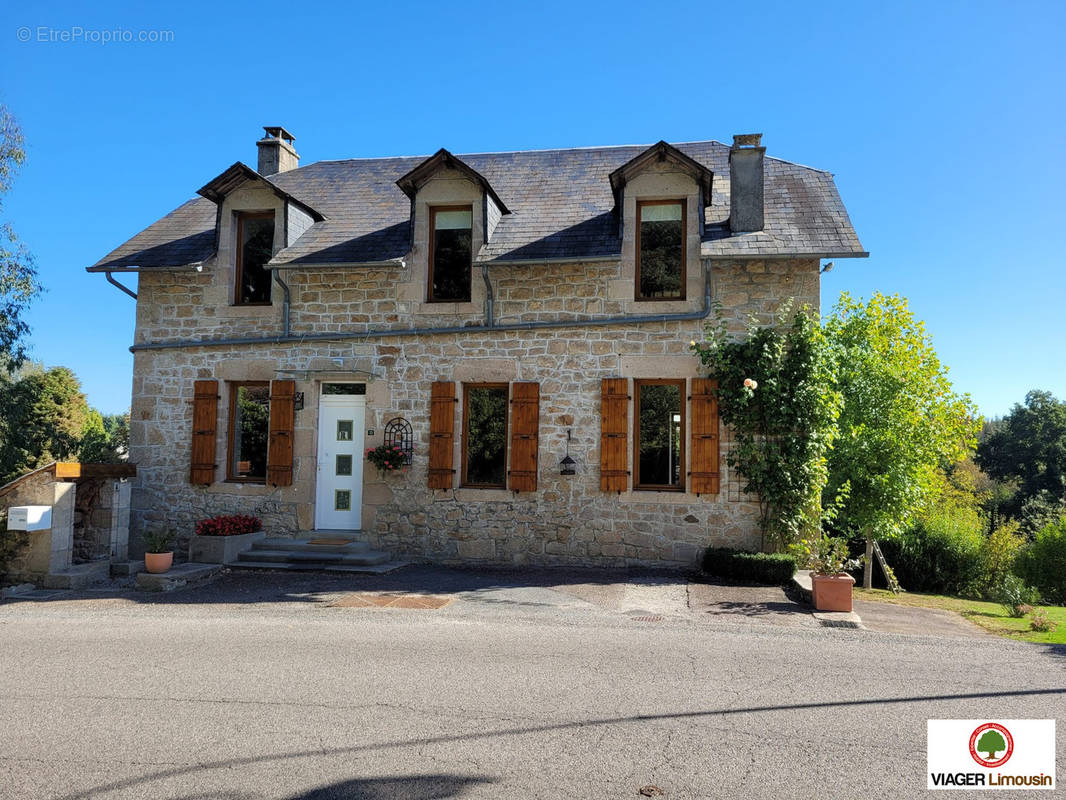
18,275
1029,445
43,417
901,421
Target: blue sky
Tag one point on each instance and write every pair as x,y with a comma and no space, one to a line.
943,123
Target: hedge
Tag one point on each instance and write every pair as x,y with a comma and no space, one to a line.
744,566
1043,565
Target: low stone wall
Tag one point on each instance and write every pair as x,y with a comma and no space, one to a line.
49,550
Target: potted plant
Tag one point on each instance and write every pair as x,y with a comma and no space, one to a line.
387,458
158,550
831,585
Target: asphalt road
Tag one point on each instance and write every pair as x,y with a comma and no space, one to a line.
257,688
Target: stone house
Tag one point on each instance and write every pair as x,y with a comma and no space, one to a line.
492,315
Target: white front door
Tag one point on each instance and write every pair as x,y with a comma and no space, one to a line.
339,497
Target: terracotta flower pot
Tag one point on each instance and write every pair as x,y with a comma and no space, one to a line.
158,562
832,592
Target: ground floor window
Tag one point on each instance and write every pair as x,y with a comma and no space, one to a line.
249,428
485,435
659,434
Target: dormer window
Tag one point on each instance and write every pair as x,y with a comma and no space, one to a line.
450,253
255,246
660,250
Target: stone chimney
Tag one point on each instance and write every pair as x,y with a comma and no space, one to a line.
276,153
746,183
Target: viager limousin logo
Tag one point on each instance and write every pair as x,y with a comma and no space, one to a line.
991,754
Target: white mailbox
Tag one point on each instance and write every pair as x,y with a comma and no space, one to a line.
29,518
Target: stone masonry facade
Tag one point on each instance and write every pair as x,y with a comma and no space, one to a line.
566,520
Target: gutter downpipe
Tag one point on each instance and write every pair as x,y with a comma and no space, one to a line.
490,299
126,289
284,303
459,329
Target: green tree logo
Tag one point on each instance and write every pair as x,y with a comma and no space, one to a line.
993,741
990,743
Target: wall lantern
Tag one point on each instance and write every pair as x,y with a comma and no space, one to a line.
298,401
566,466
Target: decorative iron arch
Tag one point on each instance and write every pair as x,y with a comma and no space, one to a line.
398,433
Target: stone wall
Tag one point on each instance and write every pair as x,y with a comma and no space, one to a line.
566,520
48,550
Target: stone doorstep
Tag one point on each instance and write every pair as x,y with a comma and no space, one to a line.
176,577
126,568
801,582
78,576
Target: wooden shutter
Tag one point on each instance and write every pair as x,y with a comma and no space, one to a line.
204,422
441,435
704,441
282,421
614,435
525,430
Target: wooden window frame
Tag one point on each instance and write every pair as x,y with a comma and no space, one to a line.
234,386
433,210
464,483
238,271
684,251
682,452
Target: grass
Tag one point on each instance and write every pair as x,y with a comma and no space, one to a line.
990,616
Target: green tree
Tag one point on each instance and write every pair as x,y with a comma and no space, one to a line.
117,427
1029,446
95,445
43,417
901,420
18,275
990,743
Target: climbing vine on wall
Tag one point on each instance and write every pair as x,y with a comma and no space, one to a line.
777,392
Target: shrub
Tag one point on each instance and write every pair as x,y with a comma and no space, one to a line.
745,566
943,553
1016,598
233,525
824,555
1000,552
158,541
1044,563
1041,622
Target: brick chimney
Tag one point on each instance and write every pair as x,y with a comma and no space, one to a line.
276,153
746,183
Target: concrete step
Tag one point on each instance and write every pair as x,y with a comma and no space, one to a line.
78,576
303,544
315,558
176,577
374,569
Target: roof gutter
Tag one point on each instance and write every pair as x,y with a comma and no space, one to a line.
489,327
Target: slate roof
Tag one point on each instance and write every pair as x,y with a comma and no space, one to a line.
560,201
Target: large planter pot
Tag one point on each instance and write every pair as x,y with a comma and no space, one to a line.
832,592
221,549
158,562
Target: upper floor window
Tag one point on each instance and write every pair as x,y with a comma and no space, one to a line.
660,249
255,246
659,434
249,429
450,253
